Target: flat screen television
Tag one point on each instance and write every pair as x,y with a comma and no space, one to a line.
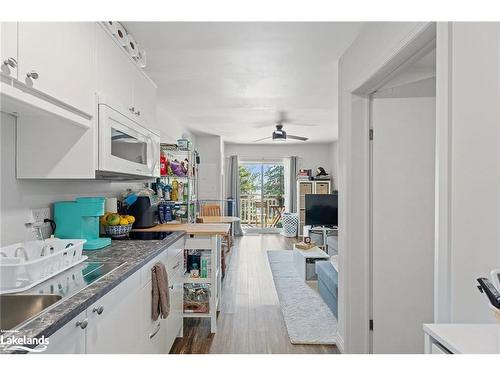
321,210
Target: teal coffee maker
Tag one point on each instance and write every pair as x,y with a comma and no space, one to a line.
79,219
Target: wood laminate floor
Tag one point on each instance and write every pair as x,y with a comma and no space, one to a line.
250,320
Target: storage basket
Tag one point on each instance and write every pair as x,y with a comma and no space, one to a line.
33,267
290,223
118,231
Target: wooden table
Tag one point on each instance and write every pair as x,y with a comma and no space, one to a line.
201,229
220,220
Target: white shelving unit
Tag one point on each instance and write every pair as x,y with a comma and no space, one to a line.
309,187
212,244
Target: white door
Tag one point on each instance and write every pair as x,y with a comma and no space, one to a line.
62,55
8,49
403,222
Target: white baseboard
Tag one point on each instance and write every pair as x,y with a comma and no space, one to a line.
340,343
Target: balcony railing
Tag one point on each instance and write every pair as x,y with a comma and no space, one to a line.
258,211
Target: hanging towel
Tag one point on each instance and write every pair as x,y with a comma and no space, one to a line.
160,301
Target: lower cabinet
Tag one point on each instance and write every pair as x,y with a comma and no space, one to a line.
120,322
70,339
112,320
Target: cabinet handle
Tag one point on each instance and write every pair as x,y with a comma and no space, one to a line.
98,310
132,109
176,266
32,75
82,323
12,62
151,335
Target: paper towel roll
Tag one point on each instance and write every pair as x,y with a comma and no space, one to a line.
121,34
141,57
131,46
111,25
112,205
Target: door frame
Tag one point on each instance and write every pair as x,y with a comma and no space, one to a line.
355,210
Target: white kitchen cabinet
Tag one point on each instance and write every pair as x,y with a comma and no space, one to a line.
158,336
122,83
114,73
112,320
70,339
144,99
8,48
56,58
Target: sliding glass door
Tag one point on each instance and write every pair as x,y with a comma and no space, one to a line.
262,195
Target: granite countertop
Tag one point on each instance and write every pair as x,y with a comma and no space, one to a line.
132,253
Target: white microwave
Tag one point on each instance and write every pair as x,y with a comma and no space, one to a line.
126,149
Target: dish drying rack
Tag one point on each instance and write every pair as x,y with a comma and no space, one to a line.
25,265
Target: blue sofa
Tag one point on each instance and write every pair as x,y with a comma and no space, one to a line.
328,281
328,277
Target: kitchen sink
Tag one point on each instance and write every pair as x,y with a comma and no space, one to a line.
17,308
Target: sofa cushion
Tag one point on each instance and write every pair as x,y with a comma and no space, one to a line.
328,275
333,244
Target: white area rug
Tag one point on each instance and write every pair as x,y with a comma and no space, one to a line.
308,319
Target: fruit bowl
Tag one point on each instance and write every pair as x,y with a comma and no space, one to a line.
118,231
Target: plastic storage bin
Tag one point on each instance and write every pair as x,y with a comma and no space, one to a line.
24,265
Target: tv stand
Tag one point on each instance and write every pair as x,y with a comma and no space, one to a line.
324,231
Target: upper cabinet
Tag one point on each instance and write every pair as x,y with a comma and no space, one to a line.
56,59
8,48
122,83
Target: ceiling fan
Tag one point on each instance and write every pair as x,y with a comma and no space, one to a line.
280,135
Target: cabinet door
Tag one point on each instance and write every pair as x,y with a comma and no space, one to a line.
56,58
113,327
144,99
8,48
153,338
114,72
175,319
70,339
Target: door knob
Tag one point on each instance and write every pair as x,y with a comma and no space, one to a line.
132,109
98,310
32,75
138,113
12,62
82,323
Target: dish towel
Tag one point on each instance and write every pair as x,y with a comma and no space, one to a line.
160,301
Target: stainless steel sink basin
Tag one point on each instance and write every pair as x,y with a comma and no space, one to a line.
18,308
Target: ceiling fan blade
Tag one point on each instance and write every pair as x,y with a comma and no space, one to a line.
262,139
296,137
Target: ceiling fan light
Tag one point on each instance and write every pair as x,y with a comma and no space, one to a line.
279,135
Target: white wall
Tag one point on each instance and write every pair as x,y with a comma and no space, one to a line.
474,144
18,196
334,163
311,155
210,148
376,44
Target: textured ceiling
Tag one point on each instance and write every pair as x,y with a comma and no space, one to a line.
232,79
